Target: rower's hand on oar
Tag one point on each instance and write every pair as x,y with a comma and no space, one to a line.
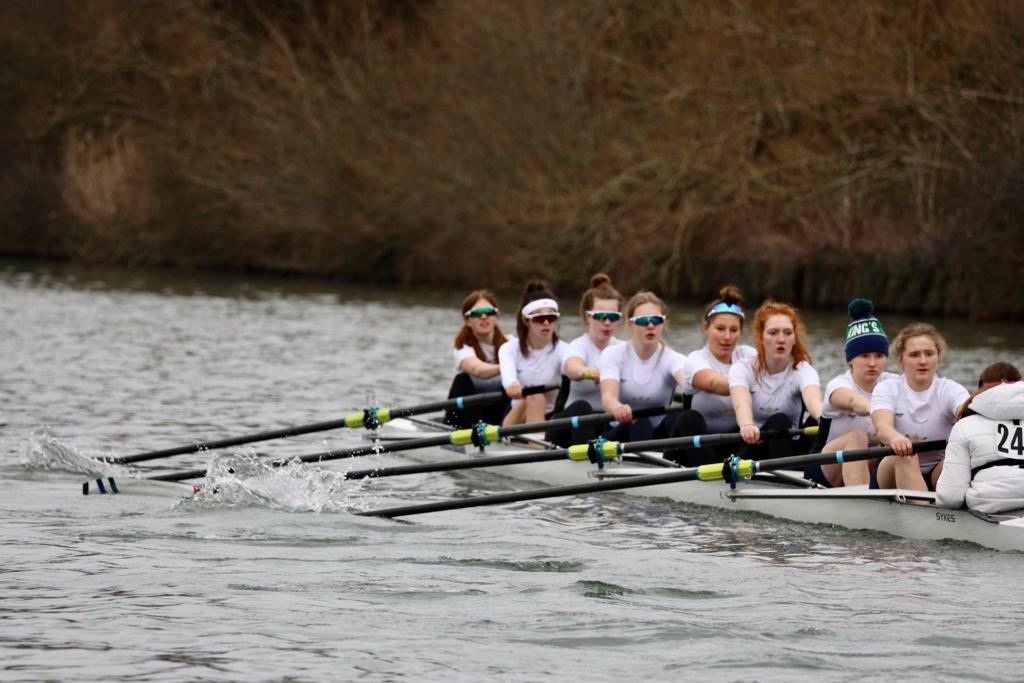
750,433
902,446
623,413
515,391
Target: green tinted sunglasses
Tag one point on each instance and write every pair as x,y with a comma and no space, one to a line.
645,320
481,312
605,316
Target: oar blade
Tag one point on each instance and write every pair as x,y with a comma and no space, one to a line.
101,486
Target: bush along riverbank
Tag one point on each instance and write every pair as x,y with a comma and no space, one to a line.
811,153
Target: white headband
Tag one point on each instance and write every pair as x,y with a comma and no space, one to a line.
538,304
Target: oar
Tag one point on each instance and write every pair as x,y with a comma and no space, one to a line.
481,435
738,469
609,449
370,418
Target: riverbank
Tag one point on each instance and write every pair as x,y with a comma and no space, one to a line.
812,153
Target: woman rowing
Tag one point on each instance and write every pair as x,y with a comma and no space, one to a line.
915,406
707,370
770,390
984,464
476,360
534,357
846,415
641,373
601,311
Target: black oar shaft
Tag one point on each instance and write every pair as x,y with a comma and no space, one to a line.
465,401
514,430
536,494
179,476
709,472
800,461
368,449
453,403
553,454
234,441
430,441
493,461
702,440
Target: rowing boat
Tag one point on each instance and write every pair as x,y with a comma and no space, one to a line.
786,495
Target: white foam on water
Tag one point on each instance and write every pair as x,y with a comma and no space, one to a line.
46,452
245,480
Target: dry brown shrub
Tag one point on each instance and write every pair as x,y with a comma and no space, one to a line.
813,150
108,187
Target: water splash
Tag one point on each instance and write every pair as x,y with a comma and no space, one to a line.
46,452
247,481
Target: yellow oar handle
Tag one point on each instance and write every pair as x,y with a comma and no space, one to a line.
608,449
484,434
371,418
716,471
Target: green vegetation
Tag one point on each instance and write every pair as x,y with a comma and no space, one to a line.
811,151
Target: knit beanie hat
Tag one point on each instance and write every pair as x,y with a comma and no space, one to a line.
864,333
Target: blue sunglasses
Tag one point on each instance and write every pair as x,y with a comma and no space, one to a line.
645,320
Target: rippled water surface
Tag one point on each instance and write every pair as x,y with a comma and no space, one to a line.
281,581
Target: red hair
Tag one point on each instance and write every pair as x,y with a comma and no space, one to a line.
767,310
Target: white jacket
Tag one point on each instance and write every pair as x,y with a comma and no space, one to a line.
994,433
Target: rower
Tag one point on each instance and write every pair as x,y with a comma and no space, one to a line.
846,415
641,373
771,390
984,464
601,311
915,406
534,357
476,360
707,372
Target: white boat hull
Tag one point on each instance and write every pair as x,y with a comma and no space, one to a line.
910,514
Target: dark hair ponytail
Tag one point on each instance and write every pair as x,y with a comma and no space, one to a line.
534,289
730,295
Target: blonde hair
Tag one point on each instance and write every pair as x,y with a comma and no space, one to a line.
899,344
641,298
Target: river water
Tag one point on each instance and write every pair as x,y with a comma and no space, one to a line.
283,583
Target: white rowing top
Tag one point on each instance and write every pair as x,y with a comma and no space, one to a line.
643,383
542,366
582,347
482,385
921,415
717,410
778,393
844,420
